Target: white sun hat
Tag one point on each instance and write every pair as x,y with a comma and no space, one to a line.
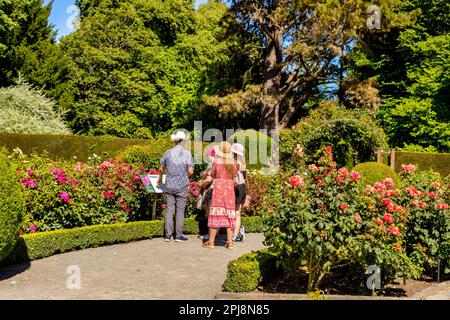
238,149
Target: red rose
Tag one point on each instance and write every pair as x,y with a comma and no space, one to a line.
388,218
343,207
329,149
432,194
378,221
394,230
386,202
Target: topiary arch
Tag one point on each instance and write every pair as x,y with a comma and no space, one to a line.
354,136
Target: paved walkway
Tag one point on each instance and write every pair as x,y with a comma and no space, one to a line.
149,269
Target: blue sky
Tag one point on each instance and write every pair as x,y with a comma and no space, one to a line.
61,14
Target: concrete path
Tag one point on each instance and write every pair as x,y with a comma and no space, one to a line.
149,269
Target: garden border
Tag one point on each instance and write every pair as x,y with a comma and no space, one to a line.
44,244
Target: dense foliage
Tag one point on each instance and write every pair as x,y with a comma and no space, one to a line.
26,109
409,65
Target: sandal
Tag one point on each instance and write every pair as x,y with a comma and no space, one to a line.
229,245
208,245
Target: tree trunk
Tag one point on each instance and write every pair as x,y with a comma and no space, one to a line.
270,100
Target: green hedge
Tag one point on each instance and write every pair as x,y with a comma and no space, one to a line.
439,162
12,206
44,244
66,147
248,271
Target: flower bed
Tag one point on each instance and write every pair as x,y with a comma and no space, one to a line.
321,219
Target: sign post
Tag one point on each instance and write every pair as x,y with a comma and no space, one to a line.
150,183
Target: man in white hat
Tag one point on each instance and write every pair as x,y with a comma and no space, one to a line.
178,164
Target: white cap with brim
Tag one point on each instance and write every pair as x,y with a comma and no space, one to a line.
179,136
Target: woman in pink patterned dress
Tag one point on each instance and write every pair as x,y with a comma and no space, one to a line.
222,212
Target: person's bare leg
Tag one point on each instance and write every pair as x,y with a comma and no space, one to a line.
229,235
212,235
237,224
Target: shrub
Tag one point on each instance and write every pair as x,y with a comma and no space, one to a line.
372,172
250,270
12,206
25,109
324,220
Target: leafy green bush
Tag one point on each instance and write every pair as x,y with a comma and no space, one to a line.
12,206
323,219
439,162
353,135
250,270
372,172
44,244
25,109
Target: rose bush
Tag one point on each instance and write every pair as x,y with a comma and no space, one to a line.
68,194
426,197
322,219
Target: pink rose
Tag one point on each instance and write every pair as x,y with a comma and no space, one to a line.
389,182
30,172
65,196
436,185
432,195
408,168
343,172
378,221
340,179
358,218
355,175
296,181
33,229
73,182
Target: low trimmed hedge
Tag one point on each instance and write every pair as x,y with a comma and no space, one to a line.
44,244
250,270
